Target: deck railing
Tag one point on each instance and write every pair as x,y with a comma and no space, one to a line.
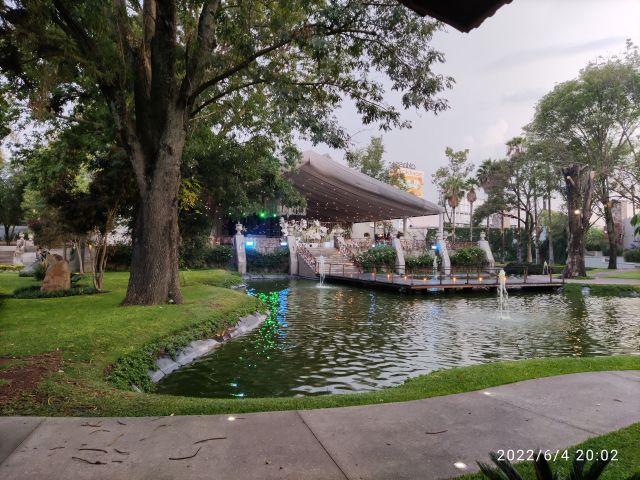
475,276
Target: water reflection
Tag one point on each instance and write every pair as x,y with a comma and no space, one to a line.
344,339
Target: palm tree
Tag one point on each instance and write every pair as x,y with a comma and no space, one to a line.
471,197
454,190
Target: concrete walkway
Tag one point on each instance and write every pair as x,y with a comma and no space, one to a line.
421,439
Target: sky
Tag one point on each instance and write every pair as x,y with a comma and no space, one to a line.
501,70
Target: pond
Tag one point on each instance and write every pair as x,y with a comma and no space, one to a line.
340,339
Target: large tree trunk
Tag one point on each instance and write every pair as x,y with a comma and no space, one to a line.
155,276
611,234
579,187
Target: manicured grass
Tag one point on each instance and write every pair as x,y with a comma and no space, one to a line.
603,290
626,441
92,332
633,275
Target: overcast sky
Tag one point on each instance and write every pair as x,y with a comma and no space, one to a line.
501,70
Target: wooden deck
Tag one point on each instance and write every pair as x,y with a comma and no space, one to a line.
460,282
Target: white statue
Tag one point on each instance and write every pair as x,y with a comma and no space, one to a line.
483,236
284,227
21,243
239,228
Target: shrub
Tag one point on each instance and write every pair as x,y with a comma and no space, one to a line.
276,261
378,257
119,257
468,257
39,271
632,255
35,292
516,268
25,274
196,254
11,268
423,261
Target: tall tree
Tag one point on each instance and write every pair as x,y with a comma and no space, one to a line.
593,116
240,67
11,211
452,181
370,161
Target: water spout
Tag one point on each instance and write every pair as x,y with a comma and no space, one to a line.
321,269
503,295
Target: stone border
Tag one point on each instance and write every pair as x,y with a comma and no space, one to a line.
198,348
267,276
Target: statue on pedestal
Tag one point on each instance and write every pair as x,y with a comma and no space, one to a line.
21,244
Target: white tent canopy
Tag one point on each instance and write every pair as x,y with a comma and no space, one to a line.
335,192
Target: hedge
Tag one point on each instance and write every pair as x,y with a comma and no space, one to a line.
632,255
35,292
377,257
11,268
515,268
468,257
276,261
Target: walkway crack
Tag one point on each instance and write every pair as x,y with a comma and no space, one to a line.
44,419
344,474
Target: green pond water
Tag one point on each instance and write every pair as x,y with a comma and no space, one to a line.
340,339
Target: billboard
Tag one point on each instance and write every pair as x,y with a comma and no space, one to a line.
413,178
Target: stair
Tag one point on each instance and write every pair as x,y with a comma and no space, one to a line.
335,262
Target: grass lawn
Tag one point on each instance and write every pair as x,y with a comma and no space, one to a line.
603,290
633,275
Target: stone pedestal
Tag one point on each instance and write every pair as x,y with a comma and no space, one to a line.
483,243
239,252
400,265
293,255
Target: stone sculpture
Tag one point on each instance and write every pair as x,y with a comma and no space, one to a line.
58,276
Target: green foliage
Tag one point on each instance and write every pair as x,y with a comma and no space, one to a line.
506,471
12,187
468,257
276,261
632,255
379,257
39,271
196,253
35,292
369,160
421,262
11,268
453,180
594,238
119,257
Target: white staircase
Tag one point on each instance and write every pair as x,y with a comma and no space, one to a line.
335,263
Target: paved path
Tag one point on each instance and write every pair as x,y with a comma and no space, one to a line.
413,440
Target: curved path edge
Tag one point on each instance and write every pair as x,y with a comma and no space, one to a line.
417,439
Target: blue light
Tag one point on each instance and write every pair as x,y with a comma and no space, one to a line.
249,243
283,244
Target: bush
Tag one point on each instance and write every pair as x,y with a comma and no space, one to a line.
378,257
632,255
35,292
276,261
195,254
39,271
25,274
119,257
515,268
423,261
11,268
468,257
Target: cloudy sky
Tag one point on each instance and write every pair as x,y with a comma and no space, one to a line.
501,70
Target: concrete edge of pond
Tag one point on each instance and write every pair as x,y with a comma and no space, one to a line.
268,276
198,348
